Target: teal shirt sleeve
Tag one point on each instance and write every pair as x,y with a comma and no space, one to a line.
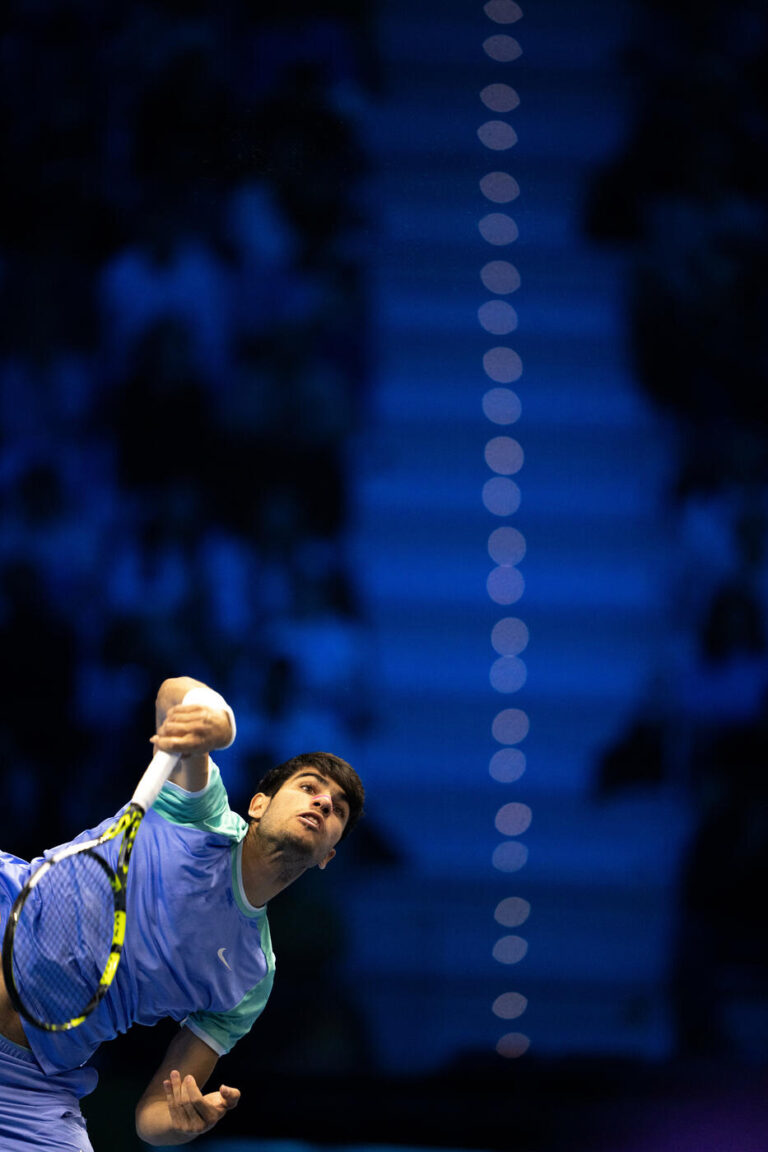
222,1030
207,810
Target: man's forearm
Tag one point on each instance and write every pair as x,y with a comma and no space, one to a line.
191,721
173,1109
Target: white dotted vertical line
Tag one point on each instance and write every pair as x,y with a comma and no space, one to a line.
501,496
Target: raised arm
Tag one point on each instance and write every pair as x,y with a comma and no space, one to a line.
194,729
173,1109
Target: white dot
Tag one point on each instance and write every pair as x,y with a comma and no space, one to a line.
502,11
499,187
507,765
513,819
510,856
497,135
503,365
498,228
500,98
506,545
508,674
510,949
502,406
513,1045
505,584
512,911
504,455
497,317
509,1005
510,726
502,48
510,636
500,276
501,496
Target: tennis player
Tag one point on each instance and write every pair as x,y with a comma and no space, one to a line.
197,945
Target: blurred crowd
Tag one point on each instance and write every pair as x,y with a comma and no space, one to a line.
182,365
688,196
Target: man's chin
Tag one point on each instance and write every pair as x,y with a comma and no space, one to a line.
299,846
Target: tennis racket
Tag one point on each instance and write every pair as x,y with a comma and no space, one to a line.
65,933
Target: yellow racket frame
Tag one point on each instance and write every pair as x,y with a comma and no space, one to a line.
126,824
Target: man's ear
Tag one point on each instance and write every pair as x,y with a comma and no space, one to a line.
324,863
258,805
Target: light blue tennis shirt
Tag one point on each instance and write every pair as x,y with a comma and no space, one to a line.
195,949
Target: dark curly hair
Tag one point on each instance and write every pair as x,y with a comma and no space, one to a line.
328,765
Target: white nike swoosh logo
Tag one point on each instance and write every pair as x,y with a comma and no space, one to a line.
220,955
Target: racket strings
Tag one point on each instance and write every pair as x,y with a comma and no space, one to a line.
63,939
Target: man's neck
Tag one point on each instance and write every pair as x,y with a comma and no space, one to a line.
267,869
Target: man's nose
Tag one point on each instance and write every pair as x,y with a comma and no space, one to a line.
324,800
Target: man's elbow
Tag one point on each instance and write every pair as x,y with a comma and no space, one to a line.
149,1117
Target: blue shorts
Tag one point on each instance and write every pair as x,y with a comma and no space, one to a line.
36,1111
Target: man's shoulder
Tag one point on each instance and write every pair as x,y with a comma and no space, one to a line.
207,811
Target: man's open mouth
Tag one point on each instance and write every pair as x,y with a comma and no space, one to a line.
310,820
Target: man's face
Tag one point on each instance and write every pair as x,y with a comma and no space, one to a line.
308,813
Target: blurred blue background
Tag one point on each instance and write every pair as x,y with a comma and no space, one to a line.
399,370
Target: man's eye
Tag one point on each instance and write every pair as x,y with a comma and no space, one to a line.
306,787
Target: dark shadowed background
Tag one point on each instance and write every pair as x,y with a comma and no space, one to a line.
399,370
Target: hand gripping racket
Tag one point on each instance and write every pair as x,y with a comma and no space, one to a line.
65,932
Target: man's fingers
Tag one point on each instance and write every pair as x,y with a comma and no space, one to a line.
194,1099
191,728
177,710
186,725
186,1104
172,1087
230,1096
191,1111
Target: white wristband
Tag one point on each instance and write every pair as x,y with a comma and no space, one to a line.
210,699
